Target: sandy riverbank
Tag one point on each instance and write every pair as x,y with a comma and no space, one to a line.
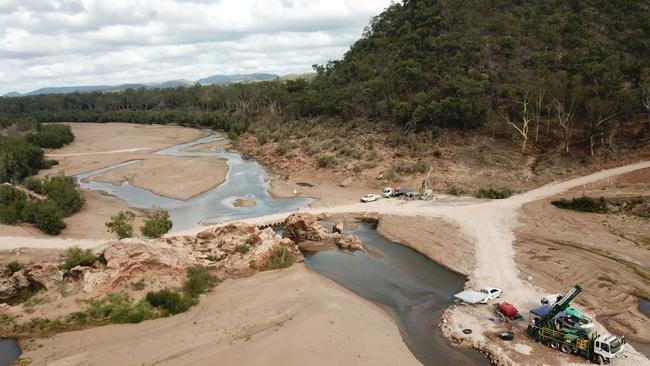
178,177
291,317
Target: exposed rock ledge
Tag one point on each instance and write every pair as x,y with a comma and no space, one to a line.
305,226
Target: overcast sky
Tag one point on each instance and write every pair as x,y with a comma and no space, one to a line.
89,42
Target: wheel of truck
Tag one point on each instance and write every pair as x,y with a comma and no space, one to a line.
600,360
555,344
565,348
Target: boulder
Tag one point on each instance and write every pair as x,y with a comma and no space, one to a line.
348,242
304,226
338,228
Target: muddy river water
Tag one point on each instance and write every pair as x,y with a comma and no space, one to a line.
411,287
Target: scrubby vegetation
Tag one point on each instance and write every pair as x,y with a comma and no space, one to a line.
280,258
63,198
121,224
157,223
77,257
583,204
634,206
15,266
494,193
52,136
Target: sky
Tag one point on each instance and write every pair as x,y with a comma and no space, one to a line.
96,42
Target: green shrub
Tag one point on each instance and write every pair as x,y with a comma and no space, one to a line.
157,223
64,192
169,301
34,184
494,193
18,159
118,308
584,204
48,218
199,280
280,258
9,215
243,249
326,161
121,224
75,256
15,266
51,136
283,147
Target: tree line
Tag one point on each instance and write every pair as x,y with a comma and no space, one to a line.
577,68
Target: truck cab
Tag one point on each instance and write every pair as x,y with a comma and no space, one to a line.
389,192
608,347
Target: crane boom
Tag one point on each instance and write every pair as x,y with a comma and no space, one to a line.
561,304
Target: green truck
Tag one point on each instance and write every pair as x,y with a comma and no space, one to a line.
544,327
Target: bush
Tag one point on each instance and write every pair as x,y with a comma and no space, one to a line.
584,204
157,223
325,161
494,193
64,192
15,266
51,136
18,159
34,184
76,257
118,308
280,258
121,224
170,301
243,249
199,280
48,218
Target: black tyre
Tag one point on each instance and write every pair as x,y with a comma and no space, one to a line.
467,331
600,360
555,344
507,336
565,348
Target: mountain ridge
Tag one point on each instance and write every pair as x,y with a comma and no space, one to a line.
218,79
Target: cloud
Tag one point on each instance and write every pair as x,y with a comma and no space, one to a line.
77,42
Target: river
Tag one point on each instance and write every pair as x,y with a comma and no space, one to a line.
410,286
245,179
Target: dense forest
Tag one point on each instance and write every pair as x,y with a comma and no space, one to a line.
580,68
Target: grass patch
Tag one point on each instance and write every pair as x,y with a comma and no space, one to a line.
75,256
495,193
15,266
243,249
280,258
583,204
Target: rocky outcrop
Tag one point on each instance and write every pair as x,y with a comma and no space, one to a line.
239,249
303,226
233,250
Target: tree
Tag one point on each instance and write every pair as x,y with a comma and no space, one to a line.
64,192
121,224
49,218
157,223
525,121
645,91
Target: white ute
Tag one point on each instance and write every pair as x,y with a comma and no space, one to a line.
370,197
491,294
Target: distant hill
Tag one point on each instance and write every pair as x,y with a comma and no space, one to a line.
229,79
211,80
